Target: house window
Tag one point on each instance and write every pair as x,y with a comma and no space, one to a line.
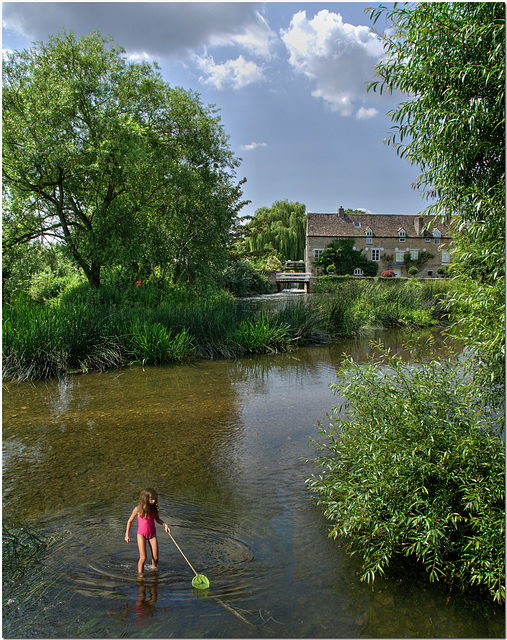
375,255
399,255
402,235
317,253
427,239
369,236
437,235
358,272
437,240
357,224
446,257
430,274
413,254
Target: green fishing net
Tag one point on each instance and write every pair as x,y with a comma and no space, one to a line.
200,582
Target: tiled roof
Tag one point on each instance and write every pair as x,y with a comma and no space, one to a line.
383,225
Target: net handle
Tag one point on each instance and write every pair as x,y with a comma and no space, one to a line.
177,545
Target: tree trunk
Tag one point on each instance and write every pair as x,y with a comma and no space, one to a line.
93,275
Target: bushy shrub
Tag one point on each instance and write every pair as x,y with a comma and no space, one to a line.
241,278
415,468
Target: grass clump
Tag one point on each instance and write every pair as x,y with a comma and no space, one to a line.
263,335
349,305
21,548
415,469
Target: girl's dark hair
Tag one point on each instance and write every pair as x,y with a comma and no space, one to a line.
148,509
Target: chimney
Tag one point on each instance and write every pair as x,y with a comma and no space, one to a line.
341,212
418,224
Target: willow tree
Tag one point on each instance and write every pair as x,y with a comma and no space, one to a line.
449,60
278,230
103,155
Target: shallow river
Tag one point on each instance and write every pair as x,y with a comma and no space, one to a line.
223,442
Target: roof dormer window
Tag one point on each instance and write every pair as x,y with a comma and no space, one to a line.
369,236
357,224
402,235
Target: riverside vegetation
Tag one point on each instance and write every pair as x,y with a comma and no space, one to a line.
81,329
416,470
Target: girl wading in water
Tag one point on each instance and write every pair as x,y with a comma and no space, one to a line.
147,514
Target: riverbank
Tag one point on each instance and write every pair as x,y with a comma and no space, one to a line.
94,331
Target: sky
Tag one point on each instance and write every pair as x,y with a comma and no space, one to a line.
289,80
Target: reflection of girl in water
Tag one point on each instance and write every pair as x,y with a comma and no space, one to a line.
147,514
145,607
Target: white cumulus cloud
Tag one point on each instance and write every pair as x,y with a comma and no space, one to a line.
338,57
234,74
252,146
365,114
255,36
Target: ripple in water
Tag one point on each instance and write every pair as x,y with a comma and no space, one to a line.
222,558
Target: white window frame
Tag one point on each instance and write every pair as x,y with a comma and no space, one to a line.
414,254
398,254
369,236
375,255
446,256
402,235
358,271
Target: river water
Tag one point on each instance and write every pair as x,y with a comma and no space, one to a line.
224,443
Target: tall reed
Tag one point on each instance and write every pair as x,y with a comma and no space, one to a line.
349,305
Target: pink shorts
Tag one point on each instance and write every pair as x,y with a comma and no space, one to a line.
146,527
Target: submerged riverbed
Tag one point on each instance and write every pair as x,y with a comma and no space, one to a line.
223,442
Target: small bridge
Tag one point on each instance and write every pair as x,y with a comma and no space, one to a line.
291,280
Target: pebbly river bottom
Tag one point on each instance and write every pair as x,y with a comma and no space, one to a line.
224,444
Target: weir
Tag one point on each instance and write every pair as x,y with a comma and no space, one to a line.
285,280
293,275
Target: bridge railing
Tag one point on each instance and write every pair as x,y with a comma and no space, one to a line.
302,277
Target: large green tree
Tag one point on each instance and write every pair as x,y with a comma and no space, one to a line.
278,230
449,59
103,155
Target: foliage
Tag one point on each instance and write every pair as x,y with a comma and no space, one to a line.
349,304
121,168
416,469
260,336
344,258
21,548
241,278
279,230
304,321
449,59
86,331
417,263
151,343
41,270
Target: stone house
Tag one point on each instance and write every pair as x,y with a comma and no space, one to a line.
385,238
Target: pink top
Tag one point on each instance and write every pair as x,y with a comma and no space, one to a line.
146,526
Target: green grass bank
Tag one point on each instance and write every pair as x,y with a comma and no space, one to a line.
81,330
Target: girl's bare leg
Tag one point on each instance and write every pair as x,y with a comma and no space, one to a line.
141,543
153,542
